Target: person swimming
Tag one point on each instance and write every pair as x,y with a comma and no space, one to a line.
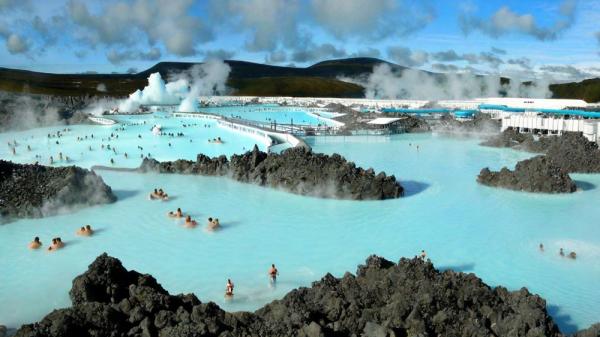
561,252
572,255
176,214
229,288
56,244
189,222
81,231
273,272
35,244
541,247
155,195
213,224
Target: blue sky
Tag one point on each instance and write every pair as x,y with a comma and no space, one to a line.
559,39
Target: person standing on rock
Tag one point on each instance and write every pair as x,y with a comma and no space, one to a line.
423,255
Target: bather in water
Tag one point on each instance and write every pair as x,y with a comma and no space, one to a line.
176,214
35,244
189,223
229,289
273,272
213,224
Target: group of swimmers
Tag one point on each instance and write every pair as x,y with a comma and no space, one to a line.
57,242
212,225
561,252
216,140
159,194
273,272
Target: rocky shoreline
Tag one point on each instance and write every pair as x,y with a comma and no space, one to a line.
25,111
37,191
410,298
537,175
569,153
296,170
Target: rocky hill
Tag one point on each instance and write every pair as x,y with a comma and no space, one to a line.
410,298
296,170
246,78
36,191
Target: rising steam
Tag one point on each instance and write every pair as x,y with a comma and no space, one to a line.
208,78
385,83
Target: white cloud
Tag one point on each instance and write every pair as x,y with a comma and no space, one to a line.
269,23
154,21
313,52
117,57
407,57
15,44
505,21
374,18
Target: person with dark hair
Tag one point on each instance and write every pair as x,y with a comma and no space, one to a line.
176,214
35,244
273,272
189,223
229,288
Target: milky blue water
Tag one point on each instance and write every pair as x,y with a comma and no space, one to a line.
136,140
272,113
462,225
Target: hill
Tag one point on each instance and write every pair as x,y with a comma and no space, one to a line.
246,78
587,90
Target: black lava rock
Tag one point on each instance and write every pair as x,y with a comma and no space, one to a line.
36,191
410,298
537,174
296,170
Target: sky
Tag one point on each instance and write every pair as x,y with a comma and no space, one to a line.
526,39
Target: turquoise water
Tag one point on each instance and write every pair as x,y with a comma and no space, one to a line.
462,225
271,113
89,152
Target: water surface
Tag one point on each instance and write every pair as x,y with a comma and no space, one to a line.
462,225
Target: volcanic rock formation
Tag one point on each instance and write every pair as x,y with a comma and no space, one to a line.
410,298
36,191
569,153
537,174
296,170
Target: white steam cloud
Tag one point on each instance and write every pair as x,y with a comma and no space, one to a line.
385,83
208,78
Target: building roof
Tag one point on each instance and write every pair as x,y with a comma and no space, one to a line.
383,121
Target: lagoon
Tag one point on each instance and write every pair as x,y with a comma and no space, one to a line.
461,224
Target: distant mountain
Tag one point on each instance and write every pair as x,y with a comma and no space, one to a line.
587,90
246,78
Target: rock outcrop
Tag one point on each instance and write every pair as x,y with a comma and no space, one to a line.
24,111
479,124
537,174
36,191
520,141
575,154
296,170
568,153
410,298
593,331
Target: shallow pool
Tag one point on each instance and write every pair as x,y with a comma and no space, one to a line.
131,140
273,113
461,225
